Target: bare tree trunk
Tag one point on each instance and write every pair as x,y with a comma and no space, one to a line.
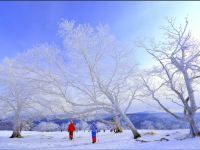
130,125
16,128
118,128
16,134
194,131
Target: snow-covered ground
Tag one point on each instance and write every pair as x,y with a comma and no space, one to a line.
107,140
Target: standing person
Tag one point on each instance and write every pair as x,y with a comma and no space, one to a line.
93,129
71,129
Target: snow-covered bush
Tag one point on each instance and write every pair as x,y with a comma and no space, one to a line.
101,126
47,126
26,126
64,126
82,125
147,125
160,126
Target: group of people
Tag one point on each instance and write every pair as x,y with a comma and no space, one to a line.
71,128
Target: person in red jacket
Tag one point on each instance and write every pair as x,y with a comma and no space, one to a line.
71,129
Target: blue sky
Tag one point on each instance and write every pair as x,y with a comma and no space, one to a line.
25,24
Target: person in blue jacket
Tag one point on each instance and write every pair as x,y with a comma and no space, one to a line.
93,129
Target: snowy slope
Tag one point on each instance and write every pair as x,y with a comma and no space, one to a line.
107,140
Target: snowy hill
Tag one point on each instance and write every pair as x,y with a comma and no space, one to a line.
151,139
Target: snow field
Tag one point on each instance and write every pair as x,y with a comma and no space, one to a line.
151,139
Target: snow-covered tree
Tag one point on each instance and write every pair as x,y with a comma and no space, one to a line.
102,69
16,94
176,79
47,126
92,73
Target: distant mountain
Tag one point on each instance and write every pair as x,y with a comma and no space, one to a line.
155,120
142,120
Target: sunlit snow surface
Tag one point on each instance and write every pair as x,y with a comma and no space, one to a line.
105,140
